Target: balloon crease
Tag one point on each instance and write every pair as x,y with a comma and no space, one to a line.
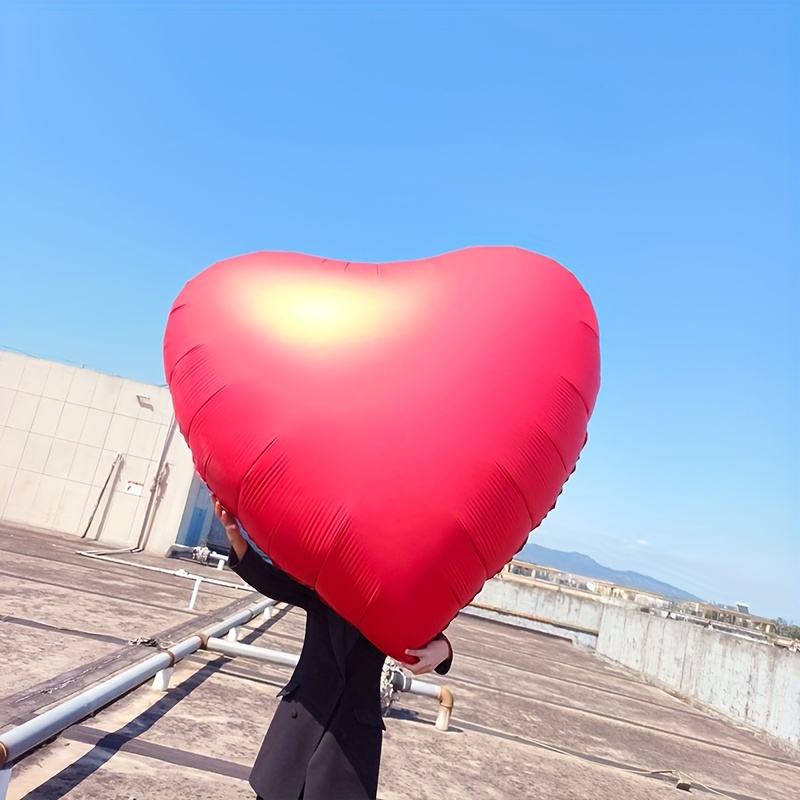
200,408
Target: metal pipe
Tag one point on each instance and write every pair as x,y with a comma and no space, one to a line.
19,740
252,651
179,548
155,488
402,683
114,464
5,778
201,554
180,573
195,592
446,703
106,552
29,734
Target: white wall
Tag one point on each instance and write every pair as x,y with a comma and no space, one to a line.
61,429
748,681
550,610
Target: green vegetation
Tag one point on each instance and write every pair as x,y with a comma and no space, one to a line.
786,629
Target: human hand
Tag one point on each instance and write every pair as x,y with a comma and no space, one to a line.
429,656
234,533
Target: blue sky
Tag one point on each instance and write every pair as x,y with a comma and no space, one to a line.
649,147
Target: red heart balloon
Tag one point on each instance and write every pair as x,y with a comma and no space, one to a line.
388,433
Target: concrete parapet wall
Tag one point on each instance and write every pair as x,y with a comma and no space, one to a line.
749,681
550,610
584,638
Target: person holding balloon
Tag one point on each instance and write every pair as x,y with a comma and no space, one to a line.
326,736
393,432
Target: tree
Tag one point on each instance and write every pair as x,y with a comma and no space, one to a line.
786,629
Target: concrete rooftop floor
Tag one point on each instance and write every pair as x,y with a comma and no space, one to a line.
534,716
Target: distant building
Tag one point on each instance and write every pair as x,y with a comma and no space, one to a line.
734,619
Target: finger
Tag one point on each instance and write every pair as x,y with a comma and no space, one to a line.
415,652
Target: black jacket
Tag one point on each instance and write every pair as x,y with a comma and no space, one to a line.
325,738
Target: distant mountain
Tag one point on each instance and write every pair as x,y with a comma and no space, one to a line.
579,564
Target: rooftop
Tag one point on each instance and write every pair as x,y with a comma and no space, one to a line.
534,716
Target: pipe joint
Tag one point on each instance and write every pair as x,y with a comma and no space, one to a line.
446,699
445,709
